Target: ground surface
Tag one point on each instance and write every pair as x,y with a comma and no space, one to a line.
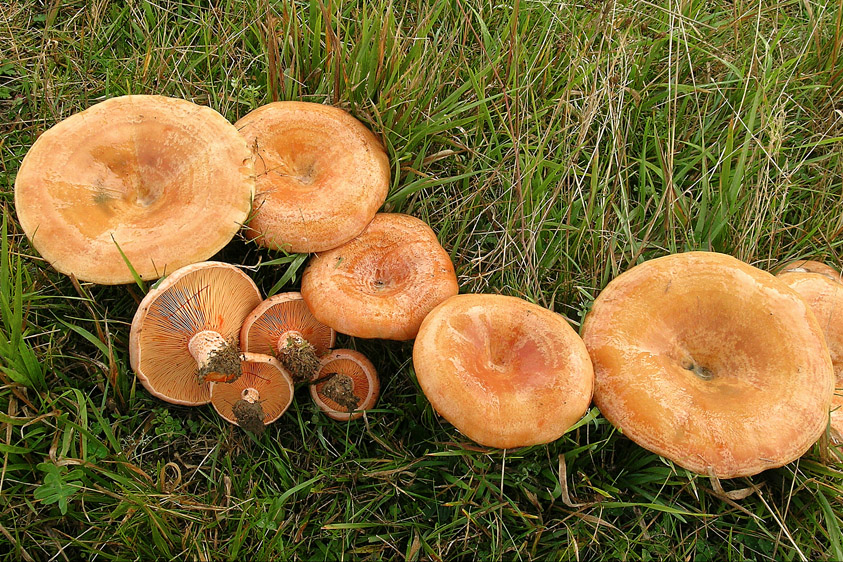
551,145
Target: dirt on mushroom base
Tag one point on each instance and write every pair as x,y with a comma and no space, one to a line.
249,416
340,389
223,364
299,357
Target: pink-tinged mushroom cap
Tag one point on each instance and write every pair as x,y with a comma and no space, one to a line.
710,362
283,326
168,181
824,296
258,397
383,283
321,175
811,266
347,384
505,372
185,332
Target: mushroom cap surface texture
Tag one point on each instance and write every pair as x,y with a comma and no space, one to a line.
278,315
505,372
710,362
825,297
262,373
362,376
207,296
383,283
320,175
168,181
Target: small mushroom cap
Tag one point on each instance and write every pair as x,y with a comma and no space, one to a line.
278,315
321,175
207,296
365,385
710,362
825,297
505,372
387,280
811,266
168,181
263,374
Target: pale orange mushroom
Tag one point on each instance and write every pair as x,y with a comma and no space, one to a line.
258,397
811,266
710,362
821,288
346,385
163,180
505,372
383,283
185,332
284,327
321,175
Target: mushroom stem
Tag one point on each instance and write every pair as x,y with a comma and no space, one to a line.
218,359
297,355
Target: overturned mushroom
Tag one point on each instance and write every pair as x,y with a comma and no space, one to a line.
346,385
283,326
258,397
185,331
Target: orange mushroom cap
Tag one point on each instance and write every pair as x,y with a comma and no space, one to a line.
168,181
811,266
264,382
276,327
383,283
505,372
321,175
187,325
824,296
347,384
710,362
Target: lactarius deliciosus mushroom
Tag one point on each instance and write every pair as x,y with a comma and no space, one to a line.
347,385
710,362
821,288
283,326
258,397
387,280
185,332
163,180
505,372
321,175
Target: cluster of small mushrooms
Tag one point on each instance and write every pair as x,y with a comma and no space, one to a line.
719,366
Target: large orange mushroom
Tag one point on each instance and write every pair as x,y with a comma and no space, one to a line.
505,372
185,332
321,175
383,283
710,362
162,180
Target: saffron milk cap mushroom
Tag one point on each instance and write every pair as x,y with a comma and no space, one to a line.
383,283
321,175
811,266
258,397
823,292
347,384
185,332
163,180
284,327
505,372
710,362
